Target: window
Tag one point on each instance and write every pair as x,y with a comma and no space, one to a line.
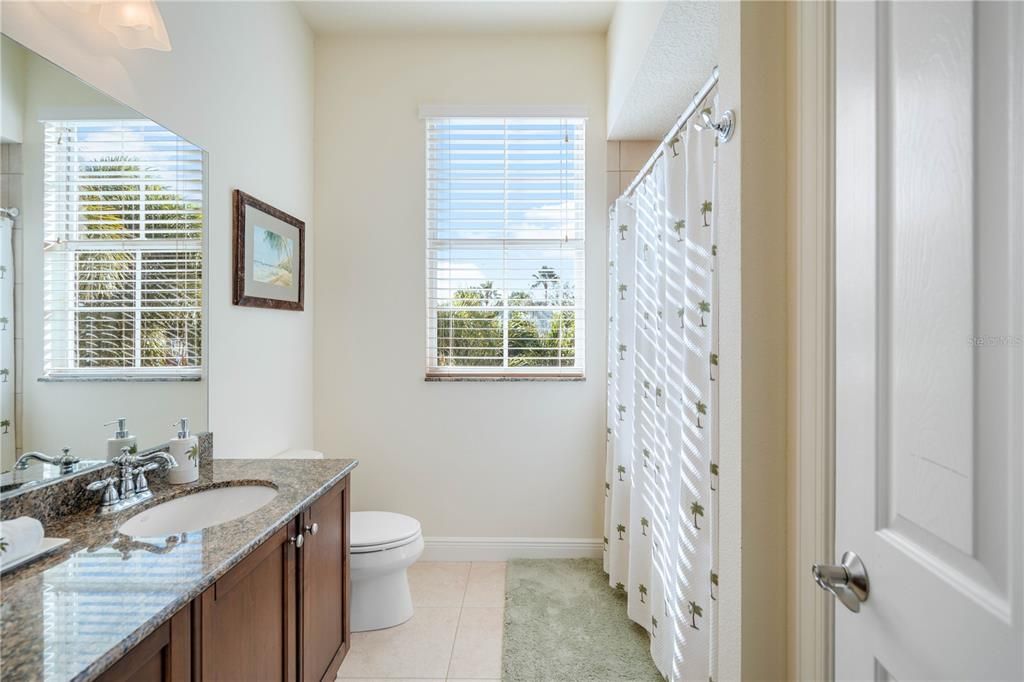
505,247
122,251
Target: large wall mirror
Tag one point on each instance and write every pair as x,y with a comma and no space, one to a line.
102,275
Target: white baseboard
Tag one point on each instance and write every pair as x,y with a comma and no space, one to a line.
502,549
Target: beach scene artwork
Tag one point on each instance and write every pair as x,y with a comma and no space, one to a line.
272,257
268,255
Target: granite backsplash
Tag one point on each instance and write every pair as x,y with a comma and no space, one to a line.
68,495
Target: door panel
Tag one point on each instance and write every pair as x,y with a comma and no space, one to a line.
165,655
325,586
929,147
927,231
248,630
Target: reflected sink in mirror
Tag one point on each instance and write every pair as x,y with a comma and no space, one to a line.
198,510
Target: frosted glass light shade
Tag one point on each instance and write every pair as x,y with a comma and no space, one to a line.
137,24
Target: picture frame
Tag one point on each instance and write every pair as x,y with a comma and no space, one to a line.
269,255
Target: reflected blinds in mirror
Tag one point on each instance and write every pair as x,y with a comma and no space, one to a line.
505,246
123,259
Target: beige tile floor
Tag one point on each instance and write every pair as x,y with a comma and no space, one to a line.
455,633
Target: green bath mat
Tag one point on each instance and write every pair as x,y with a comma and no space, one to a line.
563,622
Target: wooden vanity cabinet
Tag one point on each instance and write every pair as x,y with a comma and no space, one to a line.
248,618
281,614
324,627
164,655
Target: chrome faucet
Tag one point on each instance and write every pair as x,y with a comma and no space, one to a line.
129,487
149,462
65,460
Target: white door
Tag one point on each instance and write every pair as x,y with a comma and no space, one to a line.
929,338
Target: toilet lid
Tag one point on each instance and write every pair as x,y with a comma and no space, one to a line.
373,528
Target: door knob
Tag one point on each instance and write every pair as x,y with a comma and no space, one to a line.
848,581
298,540
313,528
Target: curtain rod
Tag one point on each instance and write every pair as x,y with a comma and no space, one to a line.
690,110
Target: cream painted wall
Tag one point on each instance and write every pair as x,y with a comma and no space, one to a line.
12,92
251,108
629,36
469,459
753,326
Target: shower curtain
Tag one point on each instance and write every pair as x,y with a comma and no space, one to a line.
7,378
662,469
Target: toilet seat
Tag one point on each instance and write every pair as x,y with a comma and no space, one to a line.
375,531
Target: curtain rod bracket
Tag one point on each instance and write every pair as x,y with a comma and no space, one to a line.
728,124
724,128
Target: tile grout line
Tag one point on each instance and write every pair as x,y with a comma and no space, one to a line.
465,589
458,624
451,653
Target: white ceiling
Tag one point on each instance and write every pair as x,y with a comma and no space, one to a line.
343,17
680,57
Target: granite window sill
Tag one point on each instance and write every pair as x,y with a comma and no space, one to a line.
90,378
506,378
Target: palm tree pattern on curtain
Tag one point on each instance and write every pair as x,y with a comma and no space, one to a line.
663,476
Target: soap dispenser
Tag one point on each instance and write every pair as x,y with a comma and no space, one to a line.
120,439
185,451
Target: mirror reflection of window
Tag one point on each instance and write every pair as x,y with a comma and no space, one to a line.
106,333
122,250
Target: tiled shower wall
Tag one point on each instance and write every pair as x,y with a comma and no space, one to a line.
625,159
10,197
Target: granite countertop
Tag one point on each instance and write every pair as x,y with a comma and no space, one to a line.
72,614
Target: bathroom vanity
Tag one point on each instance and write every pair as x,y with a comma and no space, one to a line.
242,574
284,607
261,597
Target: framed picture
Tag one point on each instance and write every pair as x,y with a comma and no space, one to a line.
270,255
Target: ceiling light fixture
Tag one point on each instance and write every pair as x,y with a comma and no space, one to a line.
137,24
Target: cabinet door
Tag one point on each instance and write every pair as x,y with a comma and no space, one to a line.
325,585
248,616
164,656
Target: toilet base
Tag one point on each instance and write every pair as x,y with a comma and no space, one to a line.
382,602
380,587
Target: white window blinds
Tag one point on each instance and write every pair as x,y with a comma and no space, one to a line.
122,250
505,246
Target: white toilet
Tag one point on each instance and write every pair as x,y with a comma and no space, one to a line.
383,546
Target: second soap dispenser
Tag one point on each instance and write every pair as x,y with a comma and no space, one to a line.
120,439
185,451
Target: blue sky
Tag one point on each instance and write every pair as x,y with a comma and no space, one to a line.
498,180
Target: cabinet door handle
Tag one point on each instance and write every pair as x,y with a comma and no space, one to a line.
298,541
313,528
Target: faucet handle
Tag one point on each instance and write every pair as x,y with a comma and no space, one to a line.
141,484
67,458
109,488
102,483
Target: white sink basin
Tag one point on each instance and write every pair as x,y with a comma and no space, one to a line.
198,510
